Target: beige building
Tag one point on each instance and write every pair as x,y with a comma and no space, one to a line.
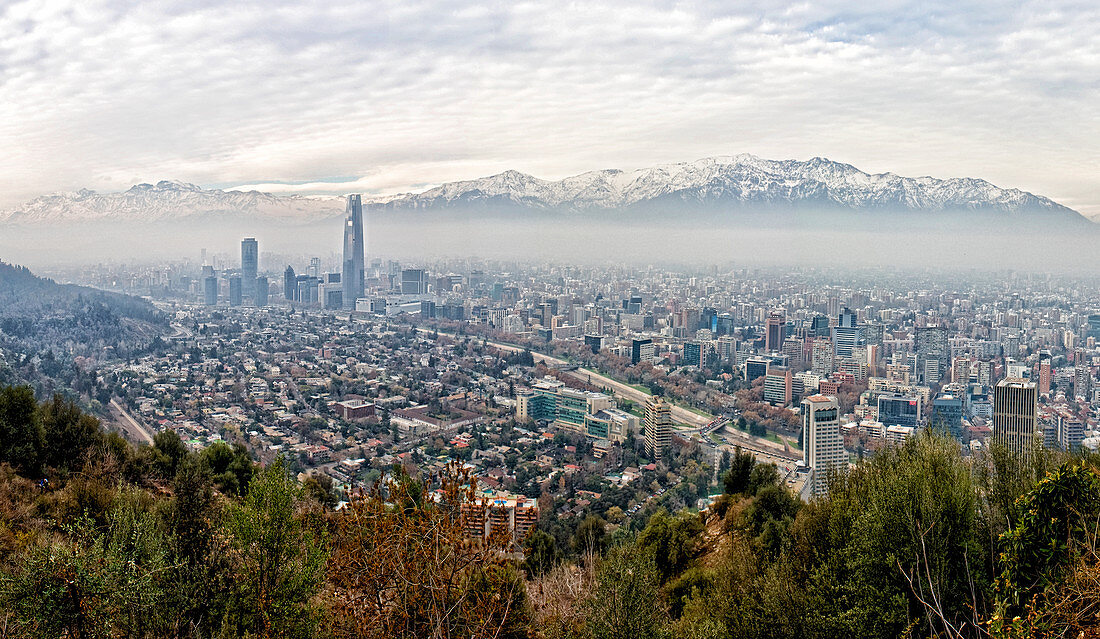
658,427
1016,415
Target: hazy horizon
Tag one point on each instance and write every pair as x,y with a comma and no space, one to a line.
564,240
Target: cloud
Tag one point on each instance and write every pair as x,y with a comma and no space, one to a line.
400,95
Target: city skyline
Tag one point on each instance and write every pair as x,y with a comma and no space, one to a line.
1001,91
549,320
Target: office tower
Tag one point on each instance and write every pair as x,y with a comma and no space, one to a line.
899,410
210,288
709,319
947,412
545,314
778,386
235,296
641,350
724,324
819,326
776,331
1015,415
250,259
756,367
693,354
262,287
354,259
658,427
823,447
845,334
308,289
290,284
933,353
315,267
333,295
414,281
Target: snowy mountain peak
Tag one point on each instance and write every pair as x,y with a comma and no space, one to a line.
727,184
720,185
169,200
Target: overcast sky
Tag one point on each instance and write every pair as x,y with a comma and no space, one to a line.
395,96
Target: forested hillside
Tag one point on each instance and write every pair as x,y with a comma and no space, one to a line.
101,539
46,326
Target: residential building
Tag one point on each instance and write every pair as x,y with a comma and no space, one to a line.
658,427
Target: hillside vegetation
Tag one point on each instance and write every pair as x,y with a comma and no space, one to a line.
101,539
46,326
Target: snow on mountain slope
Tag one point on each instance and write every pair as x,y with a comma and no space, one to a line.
731,180
719,183
168,200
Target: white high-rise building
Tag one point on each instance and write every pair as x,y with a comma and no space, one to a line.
823,447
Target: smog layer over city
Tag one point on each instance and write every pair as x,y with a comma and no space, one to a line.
549,321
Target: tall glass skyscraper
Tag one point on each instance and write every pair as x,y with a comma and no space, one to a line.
250,257
354,261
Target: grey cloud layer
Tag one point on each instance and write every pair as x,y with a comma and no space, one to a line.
403,94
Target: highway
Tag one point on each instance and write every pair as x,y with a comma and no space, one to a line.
130,425
180,332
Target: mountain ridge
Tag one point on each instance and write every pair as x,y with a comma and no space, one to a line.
719,184
167,200
740,181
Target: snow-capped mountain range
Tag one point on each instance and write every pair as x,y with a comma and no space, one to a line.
169,200
718,184
733,182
